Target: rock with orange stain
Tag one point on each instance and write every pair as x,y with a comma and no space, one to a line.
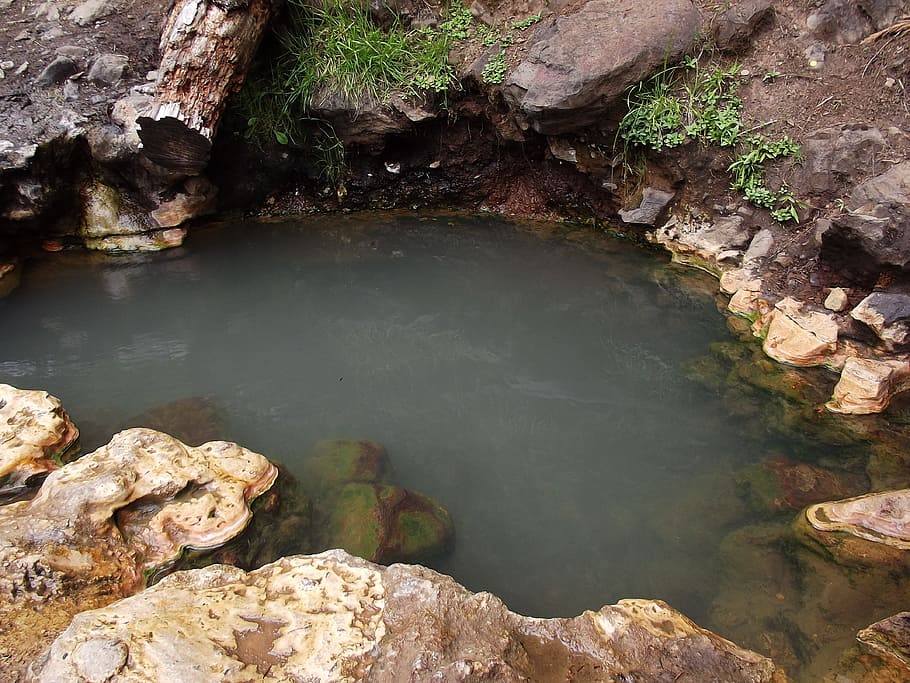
99,525
334,617
35,433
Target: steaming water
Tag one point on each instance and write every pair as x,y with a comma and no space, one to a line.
536,387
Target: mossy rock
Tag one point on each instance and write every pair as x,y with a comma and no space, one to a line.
386,524
779,484
332,464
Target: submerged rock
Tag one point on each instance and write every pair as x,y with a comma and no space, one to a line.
878,517
334,463
193,420
35,433
335,617
781,484
100,524
387,523
356,511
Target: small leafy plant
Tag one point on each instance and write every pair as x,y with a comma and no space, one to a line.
495,69
685,101
522,24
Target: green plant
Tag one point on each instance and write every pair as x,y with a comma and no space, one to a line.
713,110
495,69
654,116
458,22
770,76
522,24
685,100
748,174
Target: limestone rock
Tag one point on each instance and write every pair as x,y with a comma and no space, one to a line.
99,526
878,517
386,524
335,617
734,28
798,338
704,244
890,639
888,314
875,225
580,66
34,432
867,386
836,300
759,247
184,207
108,213
156,240
653,202
334,463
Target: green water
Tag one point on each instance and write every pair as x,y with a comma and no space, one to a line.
540,388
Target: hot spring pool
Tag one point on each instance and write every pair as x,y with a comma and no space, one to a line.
541,388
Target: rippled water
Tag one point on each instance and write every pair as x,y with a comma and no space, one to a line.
538,387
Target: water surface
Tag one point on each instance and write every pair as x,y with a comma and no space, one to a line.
539,388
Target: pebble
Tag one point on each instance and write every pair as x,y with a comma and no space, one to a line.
22,68
7,64
889,82
836,300
22,35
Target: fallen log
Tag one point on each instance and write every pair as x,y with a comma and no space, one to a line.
206,50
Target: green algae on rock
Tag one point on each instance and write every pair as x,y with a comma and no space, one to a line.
363,515
388,524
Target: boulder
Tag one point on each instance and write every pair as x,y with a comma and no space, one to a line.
888,314
878,517
734,28
99,526
579,66
799,338
867,386
335,617
847,21
708,245
833,157
35,433
875,225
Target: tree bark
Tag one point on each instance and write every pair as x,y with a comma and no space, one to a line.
206,50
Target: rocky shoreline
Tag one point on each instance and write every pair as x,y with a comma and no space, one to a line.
829,291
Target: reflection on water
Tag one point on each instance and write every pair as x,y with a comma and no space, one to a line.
541,389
